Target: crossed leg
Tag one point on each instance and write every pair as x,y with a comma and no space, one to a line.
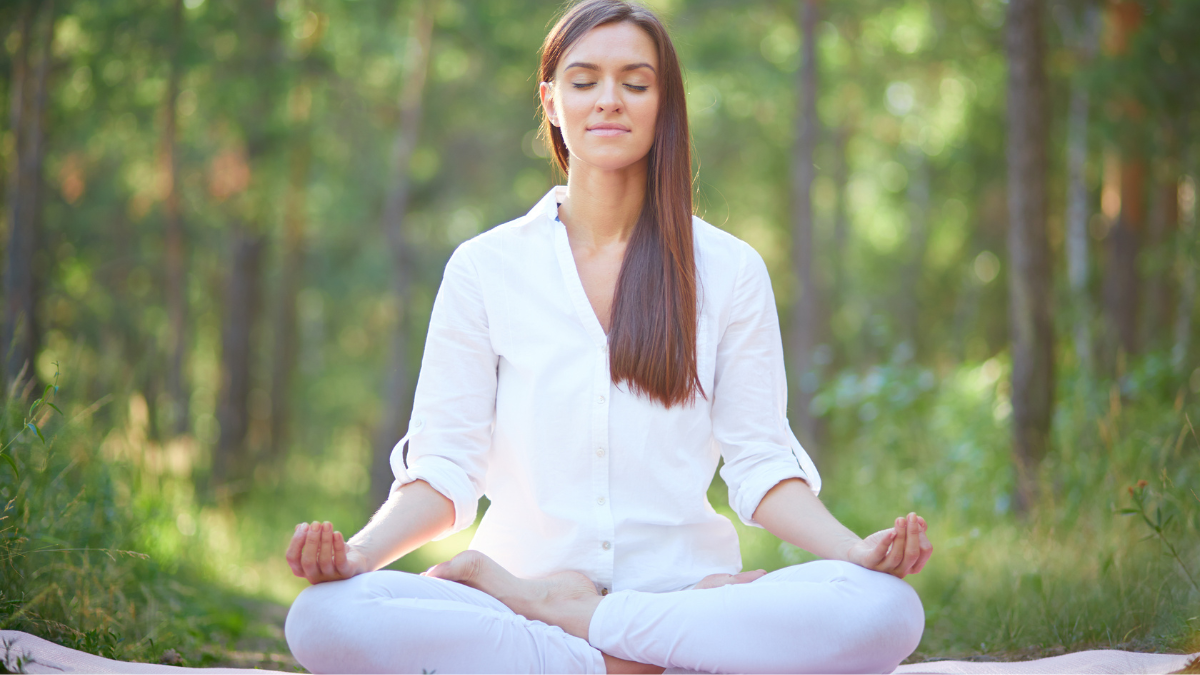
395,622
826,616
819,617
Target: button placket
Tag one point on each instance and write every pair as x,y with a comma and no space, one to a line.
605,528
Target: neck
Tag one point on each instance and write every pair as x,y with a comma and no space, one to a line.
602,206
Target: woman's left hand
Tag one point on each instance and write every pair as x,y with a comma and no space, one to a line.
899,550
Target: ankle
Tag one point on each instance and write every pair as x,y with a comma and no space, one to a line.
614,665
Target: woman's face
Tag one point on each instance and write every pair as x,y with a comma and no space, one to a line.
604,96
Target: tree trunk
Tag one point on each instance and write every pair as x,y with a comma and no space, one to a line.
174,245
285,329
1122,280
1028,248
1160,231
806,302
241,311
232,461
1086,36
841,220
918,236
398,384
28,116
1187,260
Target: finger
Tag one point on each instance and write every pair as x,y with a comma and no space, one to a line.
896,554
325,555
308,555
880,541
438,571
912,547
339,555
747,577
294,547
926,552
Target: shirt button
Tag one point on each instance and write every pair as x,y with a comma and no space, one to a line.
599,452
599,399
603,591
606,545
600,501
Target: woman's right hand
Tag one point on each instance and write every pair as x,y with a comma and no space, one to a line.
319,554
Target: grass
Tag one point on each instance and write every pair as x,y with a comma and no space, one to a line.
105,545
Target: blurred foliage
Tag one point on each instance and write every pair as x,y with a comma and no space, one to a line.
912,384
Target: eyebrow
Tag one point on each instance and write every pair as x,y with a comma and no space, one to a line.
592,66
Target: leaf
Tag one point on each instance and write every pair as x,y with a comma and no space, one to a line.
38,432
1128,512
56,409
8,458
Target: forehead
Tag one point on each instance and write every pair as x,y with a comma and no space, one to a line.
614,44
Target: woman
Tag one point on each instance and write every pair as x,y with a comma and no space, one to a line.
586,366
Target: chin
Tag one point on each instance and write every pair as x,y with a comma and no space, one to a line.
612,161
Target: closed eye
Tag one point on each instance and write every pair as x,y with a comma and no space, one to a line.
588,85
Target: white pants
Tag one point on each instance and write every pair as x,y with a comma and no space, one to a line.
824,616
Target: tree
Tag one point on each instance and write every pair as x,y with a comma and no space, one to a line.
1187,261
1083,35
175,258
295,218
397,394
1030,289
28,115
243,291
806,306
1127,193
284,332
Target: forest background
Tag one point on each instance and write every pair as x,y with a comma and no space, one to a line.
225,223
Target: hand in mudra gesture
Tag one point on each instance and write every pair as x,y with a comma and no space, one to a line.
318,553
899,550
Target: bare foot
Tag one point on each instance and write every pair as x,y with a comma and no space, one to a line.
566,599
718,580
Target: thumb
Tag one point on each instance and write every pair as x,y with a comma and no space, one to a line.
876,546
340,561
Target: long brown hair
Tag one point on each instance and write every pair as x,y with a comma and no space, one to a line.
652,337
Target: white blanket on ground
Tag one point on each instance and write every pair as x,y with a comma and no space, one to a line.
47,657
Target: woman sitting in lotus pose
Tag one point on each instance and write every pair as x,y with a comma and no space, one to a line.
586,366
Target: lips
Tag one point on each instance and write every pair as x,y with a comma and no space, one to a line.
608,129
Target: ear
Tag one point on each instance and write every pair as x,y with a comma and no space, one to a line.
546,92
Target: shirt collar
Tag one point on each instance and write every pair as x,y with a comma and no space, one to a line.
547,206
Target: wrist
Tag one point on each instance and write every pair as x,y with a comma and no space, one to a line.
360,559
844,550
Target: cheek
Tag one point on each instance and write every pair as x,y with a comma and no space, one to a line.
645,114
574,109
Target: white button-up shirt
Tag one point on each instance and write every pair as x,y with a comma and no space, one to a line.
515,401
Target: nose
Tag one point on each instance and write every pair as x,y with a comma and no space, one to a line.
610,97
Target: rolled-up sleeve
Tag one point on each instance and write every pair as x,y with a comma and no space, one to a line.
454,406
750,396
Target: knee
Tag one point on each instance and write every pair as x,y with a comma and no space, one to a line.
312,626
898,619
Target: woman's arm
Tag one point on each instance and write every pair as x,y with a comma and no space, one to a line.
793,513
411,516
